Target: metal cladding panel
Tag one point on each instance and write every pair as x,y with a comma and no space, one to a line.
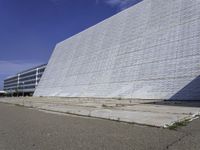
149,51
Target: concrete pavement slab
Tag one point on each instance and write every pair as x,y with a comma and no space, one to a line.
131,111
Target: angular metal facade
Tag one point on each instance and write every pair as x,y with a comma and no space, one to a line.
149,51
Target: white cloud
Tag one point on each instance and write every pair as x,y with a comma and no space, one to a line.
13,67
121,4
9,68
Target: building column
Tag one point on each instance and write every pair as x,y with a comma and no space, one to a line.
18,78
36,78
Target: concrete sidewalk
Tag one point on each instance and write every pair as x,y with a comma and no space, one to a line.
145,112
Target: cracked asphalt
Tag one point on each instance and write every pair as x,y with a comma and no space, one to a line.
28,129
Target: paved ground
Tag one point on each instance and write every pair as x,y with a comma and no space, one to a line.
146,112
27,129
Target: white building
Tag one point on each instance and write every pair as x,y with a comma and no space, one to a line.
24,83
149,51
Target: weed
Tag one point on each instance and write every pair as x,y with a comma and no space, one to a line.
104,105
175,125
119,98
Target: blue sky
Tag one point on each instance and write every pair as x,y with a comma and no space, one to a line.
29,29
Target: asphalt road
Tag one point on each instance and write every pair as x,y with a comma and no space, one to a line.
27,129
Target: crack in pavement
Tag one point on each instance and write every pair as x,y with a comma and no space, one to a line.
176,141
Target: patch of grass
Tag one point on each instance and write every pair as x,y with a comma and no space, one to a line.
106,106
120,105
119,98
176,125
